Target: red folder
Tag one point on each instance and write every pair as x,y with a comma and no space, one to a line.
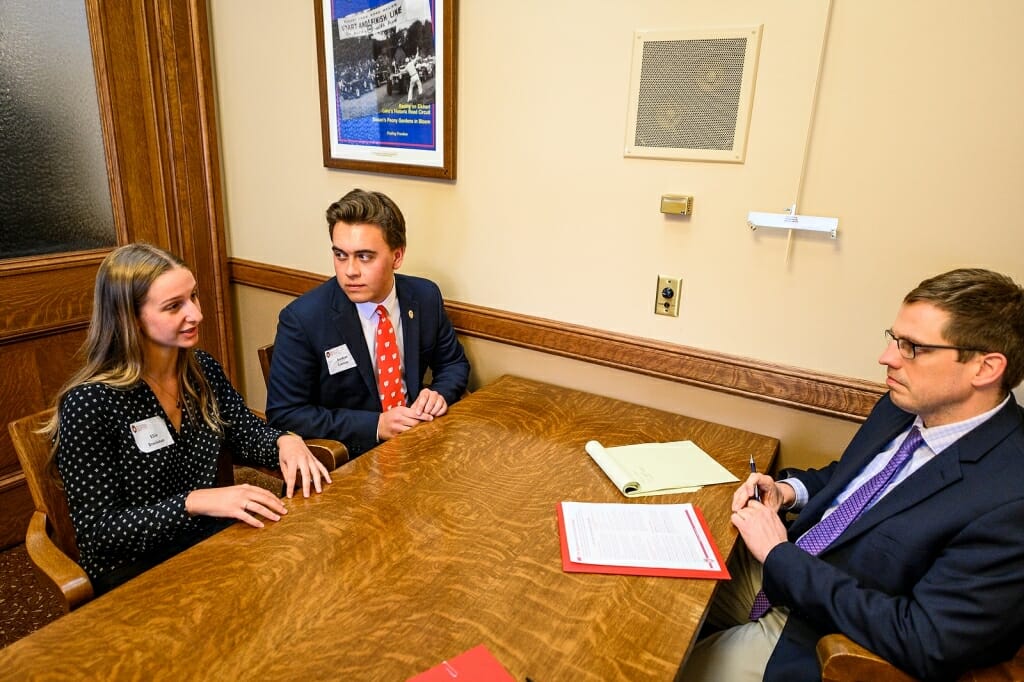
476,665
570,566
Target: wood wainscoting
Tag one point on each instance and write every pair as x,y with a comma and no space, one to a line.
800,389
47,302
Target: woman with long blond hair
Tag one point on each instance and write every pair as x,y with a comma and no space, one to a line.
139,428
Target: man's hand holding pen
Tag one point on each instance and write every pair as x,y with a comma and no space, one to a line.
763,489
758,520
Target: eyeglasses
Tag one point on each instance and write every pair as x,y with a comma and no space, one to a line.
908,349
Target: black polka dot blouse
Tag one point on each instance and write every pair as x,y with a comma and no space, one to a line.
125,503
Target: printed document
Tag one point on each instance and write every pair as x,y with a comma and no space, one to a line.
656,536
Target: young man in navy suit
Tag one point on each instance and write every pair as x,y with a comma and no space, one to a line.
912,544
324,374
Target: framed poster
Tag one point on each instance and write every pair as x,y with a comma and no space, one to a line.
387,85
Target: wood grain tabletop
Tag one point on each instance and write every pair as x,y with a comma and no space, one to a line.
432,543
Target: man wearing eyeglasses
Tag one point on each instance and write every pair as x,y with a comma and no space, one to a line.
912,543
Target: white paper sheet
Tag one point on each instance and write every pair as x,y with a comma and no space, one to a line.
644,535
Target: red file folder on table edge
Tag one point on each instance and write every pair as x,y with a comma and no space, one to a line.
476,665
570,566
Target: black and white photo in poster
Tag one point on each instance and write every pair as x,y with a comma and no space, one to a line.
387,85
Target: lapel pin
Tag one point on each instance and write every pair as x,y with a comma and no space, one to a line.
411,315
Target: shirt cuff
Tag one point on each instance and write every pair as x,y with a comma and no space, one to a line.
801,494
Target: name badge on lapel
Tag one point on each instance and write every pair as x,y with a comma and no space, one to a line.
151,434
339,359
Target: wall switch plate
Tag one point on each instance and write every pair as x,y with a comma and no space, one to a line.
666,298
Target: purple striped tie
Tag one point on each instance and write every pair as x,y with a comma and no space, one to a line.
824,533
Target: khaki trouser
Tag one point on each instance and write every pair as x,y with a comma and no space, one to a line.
741,650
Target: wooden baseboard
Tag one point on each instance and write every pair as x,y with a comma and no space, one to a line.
817,392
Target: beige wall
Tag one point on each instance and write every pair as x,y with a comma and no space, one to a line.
916,146
807,439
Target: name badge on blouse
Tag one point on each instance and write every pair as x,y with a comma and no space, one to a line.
151,434
339,359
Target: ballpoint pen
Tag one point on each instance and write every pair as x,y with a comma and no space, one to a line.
753,470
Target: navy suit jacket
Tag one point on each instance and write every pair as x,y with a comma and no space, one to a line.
931,577
302,396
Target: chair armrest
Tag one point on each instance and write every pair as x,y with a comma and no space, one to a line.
56,566
843,660
331,453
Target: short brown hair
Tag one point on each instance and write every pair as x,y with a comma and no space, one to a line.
986,311
371,208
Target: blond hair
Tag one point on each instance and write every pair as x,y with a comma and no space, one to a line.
113,347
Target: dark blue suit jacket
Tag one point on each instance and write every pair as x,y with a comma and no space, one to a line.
931,578
304,397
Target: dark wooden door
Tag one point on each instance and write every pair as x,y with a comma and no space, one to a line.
156,100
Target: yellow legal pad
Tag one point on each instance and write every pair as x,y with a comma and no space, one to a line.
658,468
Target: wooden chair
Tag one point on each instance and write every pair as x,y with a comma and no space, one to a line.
266,355
843,660
50,538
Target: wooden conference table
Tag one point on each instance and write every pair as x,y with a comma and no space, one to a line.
426,546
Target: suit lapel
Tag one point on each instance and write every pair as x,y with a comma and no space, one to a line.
944,470
865,446
346,322
410,336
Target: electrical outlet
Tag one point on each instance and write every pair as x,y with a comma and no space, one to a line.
666,297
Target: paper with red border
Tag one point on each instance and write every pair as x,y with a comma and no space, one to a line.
708,546
476,665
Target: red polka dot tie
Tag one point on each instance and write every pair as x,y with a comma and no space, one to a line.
389,365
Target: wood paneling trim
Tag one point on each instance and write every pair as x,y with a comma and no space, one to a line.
817,392
11,481
42,332
12,267
155,89
33,306
272,277
17,505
